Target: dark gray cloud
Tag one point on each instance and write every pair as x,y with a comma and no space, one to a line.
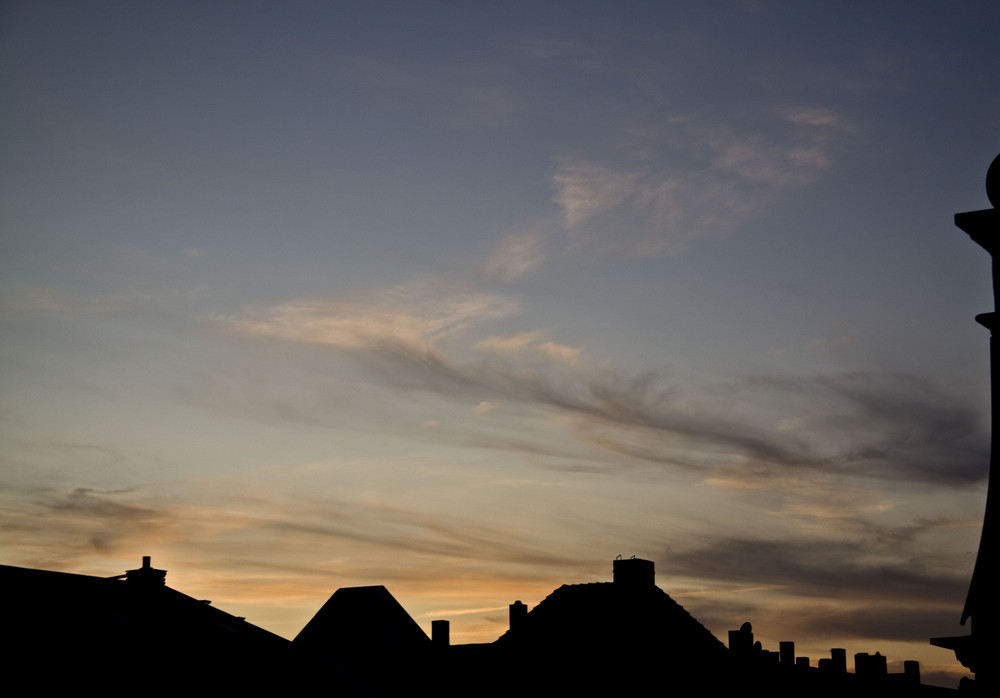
54,525
876,584
884,426
90,503
900,424
882,622
821,569
817,622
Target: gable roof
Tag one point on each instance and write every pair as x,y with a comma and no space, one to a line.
609,638
373,637
609,613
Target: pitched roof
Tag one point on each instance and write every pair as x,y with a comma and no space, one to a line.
608,638
373,637
609,613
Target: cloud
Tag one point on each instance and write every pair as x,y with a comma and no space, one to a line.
524,343
510,344
877,426
48,523
880,621
843,585
816,625
646,212
484,407
410,316
851,580
584,189
773,163
897,423
825,569
514,256
242,525
438,613
560,352
872,426
691,178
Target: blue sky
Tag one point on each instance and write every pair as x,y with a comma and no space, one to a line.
467,299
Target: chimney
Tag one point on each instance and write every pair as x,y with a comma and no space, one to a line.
786,651
634,572
440,633
147,574
838,660
518,614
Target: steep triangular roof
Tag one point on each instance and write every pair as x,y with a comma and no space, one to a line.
372,636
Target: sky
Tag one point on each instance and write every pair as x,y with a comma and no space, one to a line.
468,299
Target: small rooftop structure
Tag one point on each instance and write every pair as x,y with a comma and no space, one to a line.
146,574
634,572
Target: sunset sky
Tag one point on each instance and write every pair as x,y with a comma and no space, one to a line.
466,299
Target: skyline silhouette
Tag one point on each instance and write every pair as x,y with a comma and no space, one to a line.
588,639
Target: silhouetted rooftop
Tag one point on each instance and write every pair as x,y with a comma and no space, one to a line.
132,629
365,630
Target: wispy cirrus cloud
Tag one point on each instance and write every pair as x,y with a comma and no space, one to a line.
514,256
413,316
692,178
243,525
853,424
274,555
530,343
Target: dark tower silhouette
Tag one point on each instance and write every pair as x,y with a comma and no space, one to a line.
980,650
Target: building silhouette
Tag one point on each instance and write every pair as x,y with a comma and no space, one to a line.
623,637
979,650
365,630
65,632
